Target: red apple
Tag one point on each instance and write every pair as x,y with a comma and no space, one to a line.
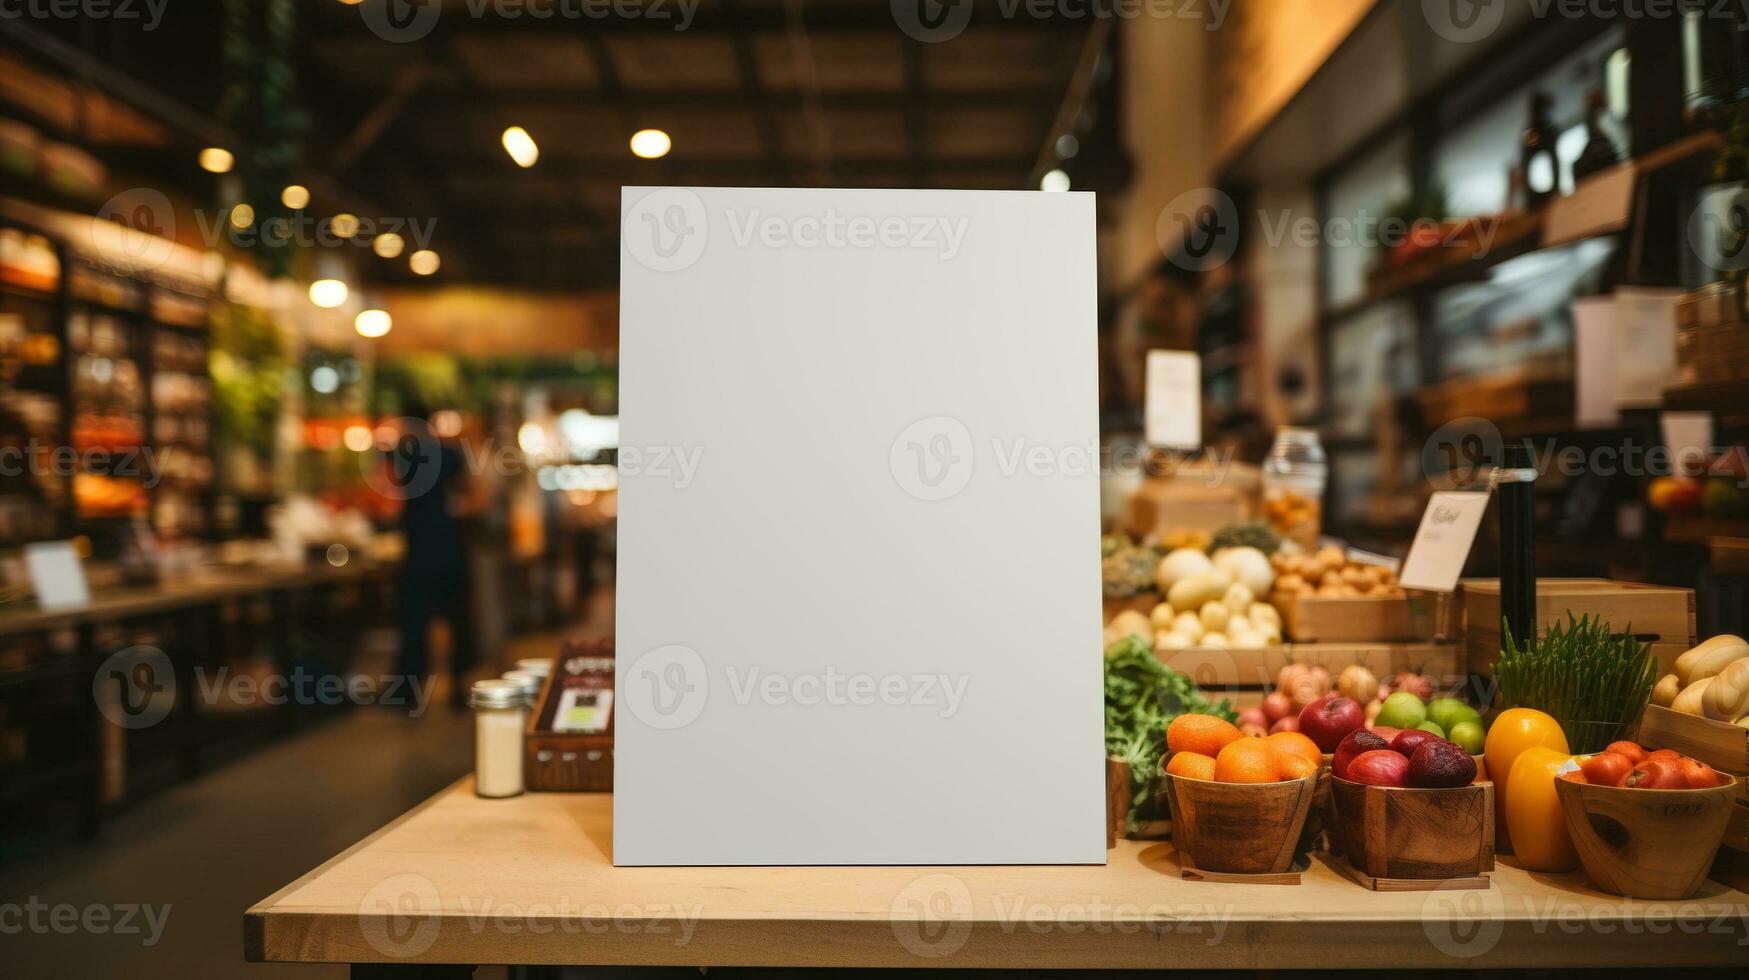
1407,741
1288,724
1353,744
1327,720
1380,767
1277,706
1253,716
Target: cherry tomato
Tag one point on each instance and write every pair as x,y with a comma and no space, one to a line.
1632,750
1607,768
1656,773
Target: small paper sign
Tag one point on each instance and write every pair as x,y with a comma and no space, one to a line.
1174,399
1442,543
56,575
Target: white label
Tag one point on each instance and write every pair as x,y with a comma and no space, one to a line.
1174,400
1442,543
57,575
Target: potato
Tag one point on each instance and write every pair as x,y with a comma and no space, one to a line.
1665,691
1291,582
1710,657
1688,702
1215,617
1262,614
1194,592
1238,599
1173,641
1190,624
1161,616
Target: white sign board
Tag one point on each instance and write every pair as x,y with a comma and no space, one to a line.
858,597
1173,413
1443,541
57,575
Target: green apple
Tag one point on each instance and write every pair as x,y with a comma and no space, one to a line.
1469,735
1446,712
1428,726
1402,710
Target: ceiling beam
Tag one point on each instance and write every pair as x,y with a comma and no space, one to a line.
449,101
558,171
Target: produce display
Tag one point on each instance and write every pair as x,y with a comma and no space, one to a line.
1213,602
1711,680
1329,574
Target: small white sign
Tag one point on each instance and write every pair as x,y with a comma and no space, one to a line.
57,575
1174,399
1442,543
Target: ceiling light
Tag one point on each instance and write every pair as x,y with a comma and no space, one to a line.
344,225
295,196
521,146
242,216
372,323
328,293
388,245
651,144
325,380
423,262
1055,180
216,160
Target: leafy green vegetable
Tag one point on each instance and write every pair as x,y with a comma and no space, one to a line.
1142,696
1594,682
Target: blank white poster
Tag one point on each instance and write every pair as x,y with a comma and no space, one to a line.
858,588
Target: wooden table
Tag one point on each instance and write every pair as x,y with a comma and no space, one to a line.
462,880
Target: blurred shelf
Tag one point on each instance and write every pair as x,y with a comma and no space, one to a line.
1702,530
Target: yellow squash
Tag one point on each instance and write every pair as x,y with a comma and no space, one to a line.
1533,812
1513,732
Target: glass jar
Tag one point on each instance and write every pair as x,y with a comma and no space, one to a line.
529,683
1294,476
500,713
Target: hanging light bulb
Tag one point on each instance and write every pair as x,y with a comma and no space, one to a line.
295,196
372,323
651,144
423,262
388,245
217,160
520,146
328,293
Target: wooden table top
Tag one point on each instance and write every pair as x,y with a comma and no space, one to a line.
206,585
529,880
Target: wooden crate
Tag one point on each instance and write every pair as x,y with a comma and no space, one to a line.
1723,746
1659,615
1417,617
1238,673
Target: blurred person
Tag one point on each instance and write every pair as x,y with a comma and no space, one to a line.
434,575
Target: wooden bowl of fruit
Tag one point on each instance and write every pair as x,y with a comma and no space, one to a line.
1646,824
1414,808
1238,802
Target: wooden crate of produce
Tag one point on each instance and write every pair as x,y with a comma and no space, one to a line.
1723,746
1417,617
1659,615
1248,674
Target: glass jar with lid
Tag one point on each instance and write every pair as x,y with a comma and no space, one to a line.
1294,476
500,714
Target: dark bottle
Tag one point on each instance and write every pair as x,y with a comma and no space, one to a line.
1600,152
1537,154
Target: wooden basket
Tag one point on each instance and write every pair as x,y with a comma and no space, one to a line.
1660,616
1238,828
1402,837
1647,843
1420,616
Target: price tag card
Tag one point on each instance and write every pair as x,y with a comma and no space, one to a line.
1174,400
57,575
1442,543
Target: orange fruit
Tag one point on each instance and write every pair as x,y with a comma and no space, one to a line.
1293,766
1245,761
1202,734
1294,743
1191,765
